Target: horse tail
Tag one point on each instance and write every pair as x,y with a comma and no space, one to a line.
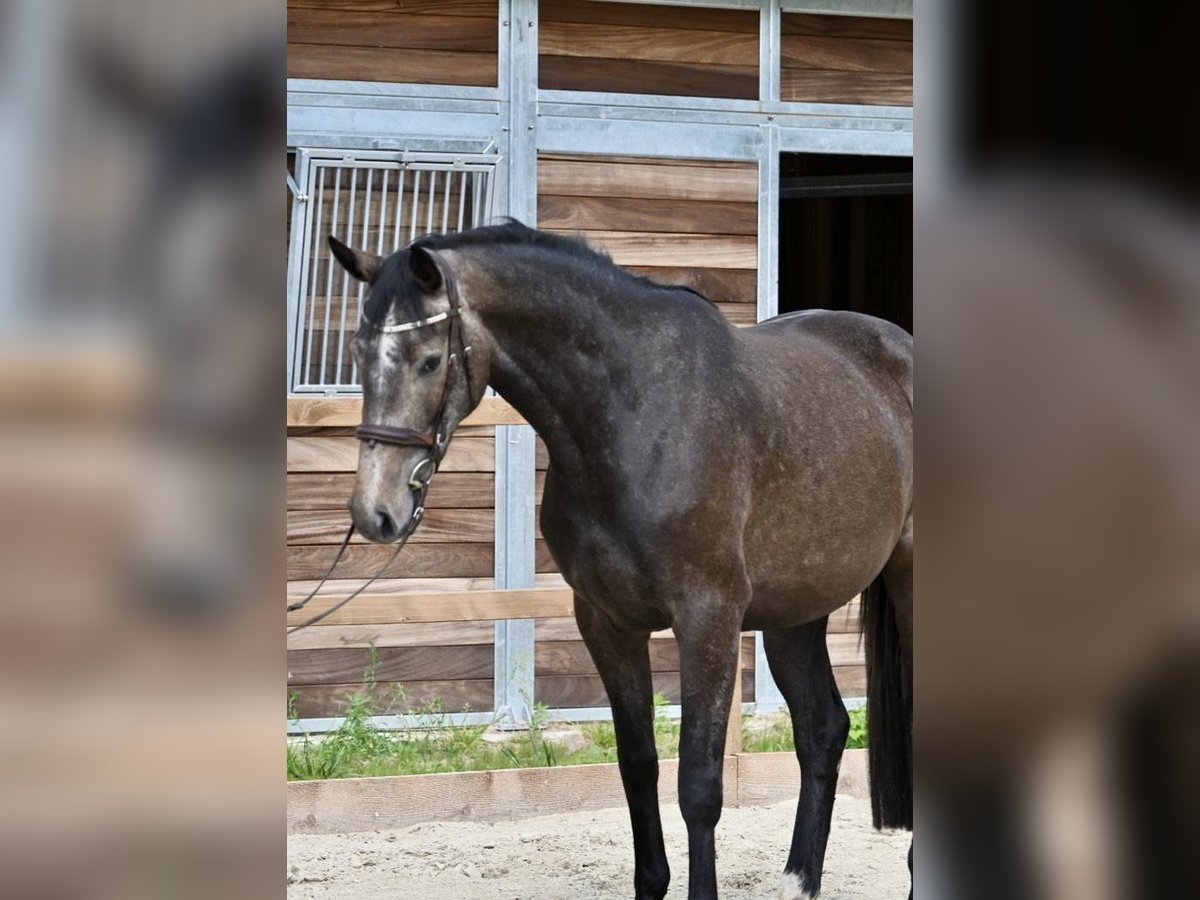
889,712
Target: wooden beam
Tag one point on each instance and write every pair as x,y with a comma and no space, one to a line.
380,609
341,411
370,804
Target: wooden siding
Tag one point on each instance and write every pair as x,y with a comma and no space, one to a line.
404,41
642,49
564,671
676,221
450,556
846,59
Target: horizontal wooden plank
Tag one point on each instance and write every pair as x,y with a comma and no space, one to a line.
819,86
739,313
375,609
676,44
644,14
438,526
429,585
321,411
851,681
846,54
405,7
584,691
457,695
644,214
414,561
370,804
391,65
450,490
424,634
598,177
770,777
465,431
340,454
711,251
353,665
357,28
718,285
844,621
571,73
847,26
573,658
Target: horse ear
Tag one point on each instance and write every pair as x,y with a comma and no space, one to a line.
425,268
359,263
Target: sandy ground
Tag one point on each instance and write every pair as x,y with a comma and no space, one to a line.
586,855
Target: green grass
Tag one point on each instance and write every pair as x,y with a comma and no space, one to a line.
357,749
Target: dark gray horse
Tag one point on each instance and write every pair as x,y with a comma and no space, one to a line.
702,478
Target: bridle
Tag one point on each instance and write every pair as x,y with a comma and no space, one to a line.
434,441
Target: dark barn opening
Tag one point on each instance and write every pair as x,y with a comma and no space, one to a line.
845,234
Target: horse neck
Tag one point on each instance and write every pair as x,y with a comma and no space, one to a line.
567,355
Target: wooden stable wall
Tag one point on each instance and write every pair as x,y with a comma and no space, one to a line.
404,41
452,551
676,221
642,49
846,59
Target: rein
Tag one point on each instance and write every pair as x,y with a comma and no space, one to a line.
435,442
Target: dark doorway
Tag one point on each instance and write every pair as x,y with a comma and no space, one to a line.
845,234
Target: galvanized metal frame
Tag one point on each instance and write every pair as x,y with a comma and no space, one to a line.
516,445
310,162
519,121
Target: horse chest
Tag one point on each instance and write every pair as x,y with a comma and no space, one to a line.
598,561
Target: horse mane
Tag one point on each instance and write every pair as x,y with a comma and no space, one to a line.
401,291
513,231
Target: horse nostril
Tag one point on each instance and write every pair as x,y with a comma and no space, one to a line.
387,525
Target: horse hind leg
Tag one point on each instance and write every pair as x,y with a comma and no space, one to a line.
799,661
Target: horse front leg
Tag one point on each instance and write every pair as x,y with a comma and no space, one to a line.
623,661
708,646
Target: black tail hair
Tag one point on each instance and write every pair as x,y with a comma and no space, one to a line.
889,712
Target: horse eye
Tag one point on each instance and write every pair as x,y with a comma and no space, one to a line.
430,365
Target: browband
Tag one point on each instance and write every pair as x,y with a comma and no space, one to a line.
420,323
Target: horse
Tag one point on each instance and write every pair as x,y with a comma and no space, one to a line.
702,477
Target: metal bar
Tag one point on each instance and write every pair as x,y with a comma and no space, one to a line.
399,209
311,254
302,213
711,4
770,51
366,236
462,198
845,185
390,89
416,201
349,238
768,224
663,104
516,444
677,140
446,203
329,266
429,203
881,9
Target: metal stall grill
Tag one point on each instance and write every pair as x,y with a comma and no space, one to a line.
374,201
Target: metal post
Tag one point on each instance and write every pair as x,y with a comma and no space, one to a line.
769,51
766,693
516,444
